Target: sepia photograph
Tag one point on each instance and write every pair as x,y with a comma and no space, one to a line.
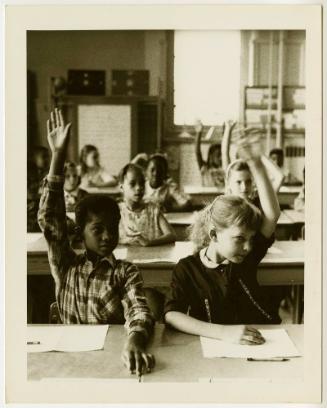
166,225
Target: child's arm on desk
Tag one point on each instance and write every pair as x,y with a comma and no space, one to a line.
233,334
52,211
249,150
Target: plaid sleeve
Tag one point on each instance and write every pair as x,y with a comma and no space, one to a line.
136,311
52,221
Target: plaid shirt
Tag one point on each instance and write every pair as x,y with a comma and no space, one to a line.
109,291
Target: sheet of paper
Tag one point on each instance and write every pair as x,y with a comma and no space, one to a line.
70,338
278,344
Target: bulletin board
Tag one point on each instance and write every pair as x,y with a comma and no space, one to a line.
109,128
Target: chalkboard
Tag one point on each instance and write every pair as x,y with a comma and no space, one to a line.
109,128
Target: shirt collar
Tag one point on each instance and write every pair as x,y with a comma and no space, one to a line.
110,259
73,193
207,262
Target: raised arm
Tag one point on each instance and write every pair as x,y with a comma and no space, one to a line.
198,135
52,212
249,150
275,173
226,142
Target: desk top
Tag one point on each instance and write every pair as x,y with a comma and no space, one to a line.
297,217
178,359
282,252
114,191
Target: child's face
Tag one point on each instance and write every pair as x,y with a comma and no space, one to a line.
240,183
215,157
42,160
233,243
71,179
133,186
91,159
155,174
100,234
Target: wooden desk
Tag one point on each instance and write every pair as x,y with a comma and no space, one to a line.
178,359
113,192
204,195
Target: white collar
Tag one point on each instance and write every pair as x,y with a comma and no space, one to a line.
207,262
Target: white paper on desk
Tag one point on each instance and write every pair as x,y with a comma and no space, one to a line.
278,344
70,338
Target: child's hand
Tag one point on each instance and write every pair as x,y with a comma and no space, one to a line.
241,335
57,131
142,240
248,145
134,356
198,127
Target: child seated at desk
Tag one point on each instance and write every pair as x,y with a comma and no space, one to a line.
93,287
141,223
92,173
212,173
72,192
275,174
217,287
40,157
163,190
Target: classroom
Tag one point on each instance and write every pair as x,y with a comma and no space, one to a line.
165,198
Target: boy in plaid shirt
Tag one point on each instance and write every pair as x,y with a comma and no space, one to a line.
93,287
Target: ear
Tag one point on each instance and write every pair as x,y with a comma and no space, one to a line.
213,234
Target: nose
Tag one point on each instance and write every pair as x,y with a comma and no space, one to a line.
243,187
247,246
105,235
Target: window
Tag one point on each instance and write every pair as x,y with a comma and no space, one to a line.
207,76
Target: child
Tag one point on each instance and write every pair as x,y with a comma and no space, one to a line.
217,287
92,174
141,223
299,202
277,157
275,174
211,170
93,287
72,192
41,161
163,190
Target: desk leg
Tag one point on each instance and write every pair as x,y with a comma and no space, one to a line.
297,304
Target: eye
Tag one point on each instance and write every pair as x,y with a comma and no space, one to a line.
239,239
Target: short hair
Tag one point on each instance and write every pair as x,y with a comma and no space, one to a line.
279,152
161,160
96,204
70,165
236,165
130,167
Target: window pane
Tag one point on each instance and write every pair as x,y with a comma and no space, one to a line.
206,76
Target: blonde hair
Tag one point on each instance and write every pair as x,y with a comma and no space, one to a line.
224,212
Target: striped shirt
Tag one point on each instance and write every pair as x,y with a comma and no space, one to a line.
106,291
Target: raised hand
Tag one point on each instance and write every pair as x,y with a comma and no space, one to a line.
249,144
198,126
57,131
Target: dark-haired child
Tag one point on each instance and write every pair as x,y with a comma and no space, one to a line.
163,190
91,171
93,287
141,223
215,293
212,173
41,160
72,192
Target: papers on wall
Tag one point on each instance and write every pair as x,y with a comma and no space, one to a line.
278,344
71,338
